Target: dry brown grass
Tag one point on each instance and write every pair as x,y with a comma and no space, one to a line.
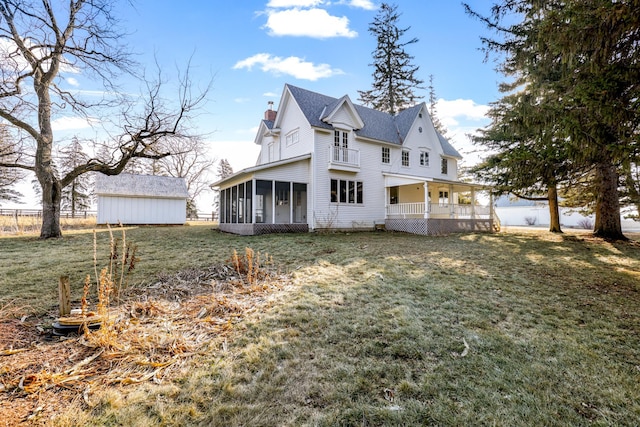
152,334
31,225
516,328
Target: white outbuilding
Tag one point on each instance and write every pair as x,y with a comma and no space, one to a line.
141,199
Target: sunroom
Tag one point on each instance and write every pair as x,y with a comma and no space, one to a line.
431,206
264,199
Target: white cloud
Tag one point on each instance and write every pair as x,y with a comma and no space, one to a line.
294,3
67,123
292,65
451,112
362,4
316,23
271,94
73,81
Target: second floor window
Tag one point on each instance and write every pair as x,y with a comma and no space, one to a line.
405,158
444,168
386,155
340,139
292,138
424,158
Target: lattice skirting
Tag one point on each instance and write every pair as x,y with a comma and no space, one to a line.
255,229
437,226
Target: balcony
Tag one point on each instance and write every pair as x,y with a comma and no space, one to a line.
344,159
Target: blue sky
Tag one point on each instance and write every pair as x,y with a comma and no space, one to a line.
251,48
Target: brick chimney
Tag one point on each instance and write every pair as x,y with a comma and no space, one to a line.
270,114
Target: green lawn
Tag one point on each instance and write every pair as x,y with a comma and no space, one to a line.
515,328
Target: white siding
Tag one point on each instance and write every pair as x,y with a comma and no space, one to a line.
292,120
140,210
349,215
296,172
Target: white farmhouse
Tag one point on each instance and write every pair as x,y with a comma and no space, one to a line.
326,163
141,199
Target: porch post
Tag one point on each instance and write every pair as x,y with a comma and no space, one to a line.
253,201
473,203
452,212
290,202
491,210
427,206
386,201
273,201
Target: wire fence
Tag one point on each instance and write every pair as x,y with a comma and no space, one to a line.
37,213
27,221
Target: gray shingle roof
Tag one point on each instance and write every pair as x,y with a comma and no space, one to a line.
130,185
378,125
447,148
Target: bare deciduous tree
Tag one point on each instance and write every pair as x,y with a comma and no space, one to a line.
39,42
189,160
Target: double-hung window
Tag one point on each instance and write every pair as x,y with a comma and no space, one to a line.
444,168
386,155
405,158
424,158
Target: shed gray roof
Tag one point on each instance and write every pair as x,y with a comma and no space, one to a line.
131,185
378,125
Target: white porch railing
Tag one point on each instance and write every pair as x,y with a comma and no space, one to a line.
404,210
436,210
345,156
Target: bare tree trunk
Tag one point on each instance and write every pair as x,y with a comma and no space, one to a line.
554,210
607,222
51,193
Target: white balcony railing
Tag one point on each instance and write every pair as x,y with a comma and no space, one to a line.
344,156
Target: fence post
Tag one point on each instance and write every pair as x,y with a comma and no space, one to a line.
64,296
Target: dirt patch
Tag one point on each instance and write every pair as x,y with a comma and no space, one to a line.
153,334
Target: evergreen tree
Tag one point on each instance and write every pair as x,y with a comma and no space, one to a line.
78,194
394,75
8,177
591,82
528,158
224,171
433,101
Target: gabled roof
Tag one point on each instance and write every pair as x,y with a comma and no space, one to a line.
378,125
331,110
130,185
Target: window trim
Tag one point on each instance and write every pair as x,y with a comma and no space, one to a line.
406,156
424,154
386,150
444,166
292,137
346,192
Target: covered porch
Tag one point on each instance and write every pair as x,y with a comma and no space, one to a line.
430,206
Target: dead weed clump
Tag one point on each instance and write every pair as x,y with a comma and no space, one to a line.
151,333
